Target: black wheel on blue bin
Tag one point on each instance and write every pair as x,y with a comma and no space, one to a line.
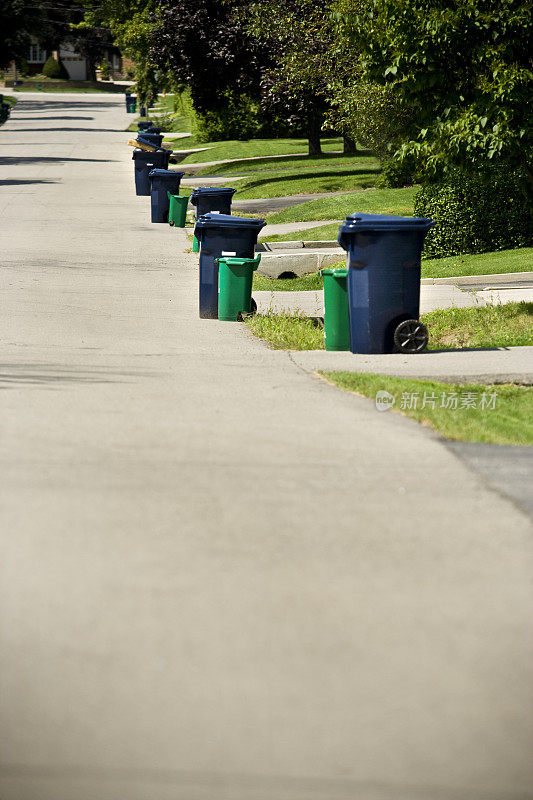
410,336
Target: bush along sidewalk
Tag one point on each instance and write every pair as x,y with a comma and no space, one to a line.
475,213
497,414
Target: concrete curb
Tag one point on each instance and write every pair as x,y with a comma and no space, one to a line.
275,264
501,365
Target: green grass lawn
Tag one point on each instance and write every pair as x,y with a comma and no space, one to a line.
301,284
236,149
372,201
286,332
78,87
303,161
501,325
311,181
501,414
518,260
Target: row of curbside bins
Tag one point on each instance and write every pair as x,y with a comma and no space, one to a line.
371,306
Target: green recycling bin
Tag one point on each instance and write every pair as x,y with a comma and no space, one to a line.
177,209
235,276
336,314
195,245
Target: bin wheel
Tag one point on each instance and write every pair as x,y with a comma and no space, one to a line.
171,223
410,336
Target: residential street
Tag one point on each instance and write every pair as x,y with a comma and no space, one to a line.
222,578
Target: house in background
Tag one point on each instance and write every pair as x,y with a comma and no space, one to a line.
74,63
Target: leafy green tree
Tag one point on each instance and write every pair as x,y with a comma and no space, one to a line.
461,70
130,23
299,35
18,21
207,48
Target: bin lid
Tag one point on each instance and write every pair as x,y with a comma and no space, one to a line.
142,140
165,174
213,190
144,155
228,221
356,223
232,261
337,272
210,191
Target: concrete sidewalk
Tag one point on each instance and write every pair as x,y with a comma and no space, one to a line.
222,578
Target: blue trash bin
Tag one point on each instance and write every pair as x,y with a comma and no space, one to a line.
155,139
221,235
163,181
384,281
144,163
207,199
144,125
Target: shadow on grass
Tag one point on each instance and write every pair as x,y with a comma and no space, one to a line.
314,174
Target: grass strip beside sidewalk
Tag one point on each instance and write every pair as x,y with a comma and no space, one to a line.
372,201
496,414
502,325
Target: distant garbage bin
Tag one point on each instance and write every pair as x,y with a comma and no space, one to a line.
222,235
177,209
143,111
5,112
383,262
131,103
144,163
210,198
163,181
235,278
336,317
155,139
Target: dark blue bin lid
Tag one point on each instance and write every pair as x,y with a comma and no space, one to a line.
228,221
144,155
356,223
142,140
165,174
198,190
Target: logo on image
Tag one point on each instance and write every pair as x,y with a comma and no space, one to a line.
384,400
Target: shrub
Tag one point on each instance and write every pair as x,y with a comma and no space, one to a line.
395,174
104,70
22,66
475,213
240,118
55,69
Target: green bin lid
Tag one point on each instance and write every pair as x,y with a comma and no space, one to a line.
233,261
337,272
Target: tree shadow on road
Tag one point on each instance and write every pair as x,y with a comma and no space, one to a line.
13,160
49,130
40,119
22,182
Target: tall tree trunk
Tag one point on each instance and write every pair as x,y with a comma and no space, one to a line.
91,68
313,134
350,146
